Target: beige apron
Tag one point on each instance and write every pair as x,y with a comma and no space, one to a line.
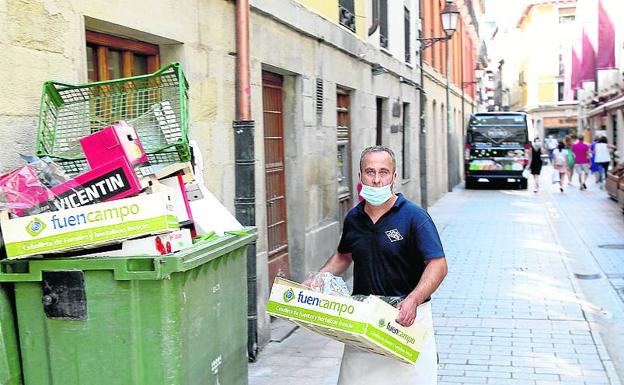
360,367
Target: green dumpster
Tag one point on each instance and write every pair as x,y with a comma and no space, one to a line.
10,373
178,320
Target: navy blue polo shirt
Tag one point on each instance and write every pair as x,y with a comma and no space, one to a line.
389,256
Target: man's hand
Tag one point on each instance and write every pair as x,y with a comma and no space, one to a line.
336,264
434,273
407,311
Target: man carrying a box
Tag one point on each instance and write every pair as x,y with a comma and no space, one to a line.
396,251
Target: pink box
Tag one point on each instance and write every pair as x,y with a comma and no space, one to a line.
112,142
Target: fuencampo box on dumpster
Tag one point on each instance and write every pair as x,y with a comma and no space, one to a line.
368,325
88,226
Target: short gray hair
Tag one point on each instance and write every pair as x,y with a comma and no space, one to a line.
379,148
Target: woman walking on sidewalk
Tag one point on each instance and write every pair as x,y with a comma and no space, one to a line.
560,163
595,168
602,158
535,163
568,141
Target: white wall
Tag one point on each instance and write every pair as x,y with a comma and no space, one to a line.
396,44
396,23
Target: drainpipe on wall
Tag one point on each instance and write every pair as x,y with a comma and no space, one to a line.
422,132
244,166
463,122
375,25
450,155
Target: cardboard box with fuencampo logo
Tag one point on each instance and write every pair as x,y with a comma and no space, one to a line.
89,226
368,325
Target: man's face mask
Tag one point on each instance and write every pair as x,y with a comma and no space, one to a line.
376,196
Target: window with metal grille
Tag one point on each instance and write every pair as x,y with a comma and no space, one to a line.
383,23
407,37
319,96
346,14
111,57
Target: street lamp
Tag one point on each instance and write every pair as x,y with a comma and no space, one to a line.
449,16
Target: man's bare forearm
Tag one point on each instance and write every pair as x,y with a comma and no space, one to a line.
337,263
432,277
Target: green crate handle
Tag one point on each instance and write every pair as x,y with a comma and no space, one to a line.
175,65
129,268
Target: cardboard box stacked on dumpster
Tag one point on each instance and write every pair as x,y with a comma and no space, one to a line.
117,141
88,226
367,325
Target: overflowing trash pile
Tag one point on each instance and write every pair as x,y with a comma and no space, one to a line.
115,174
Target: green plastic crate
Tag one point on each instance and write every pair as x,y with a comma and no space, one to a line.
174,320
155,105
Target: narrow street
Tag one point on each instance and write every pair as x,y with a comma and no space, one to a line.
519,305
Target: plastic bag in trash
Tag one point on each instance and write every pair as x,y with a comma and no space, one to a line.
23,190
327,283
48,172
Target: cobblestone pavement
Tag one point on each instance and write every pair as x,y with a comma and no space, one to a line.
513,309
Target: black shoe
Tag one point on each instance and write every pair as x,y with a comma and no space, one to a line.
584,187
561,189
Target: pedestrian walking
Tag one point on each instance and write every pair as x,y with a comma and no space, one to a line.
560,163
535,163
595,168
551,145
396,251
602,158
568,141
581,162
537,142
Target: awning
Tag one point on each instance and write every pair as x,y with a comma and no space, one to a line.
615,103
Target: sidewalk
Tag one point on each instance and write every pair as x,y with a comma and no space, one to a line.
510,310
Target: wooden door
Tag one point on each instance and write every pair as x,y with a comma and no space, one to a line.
277,222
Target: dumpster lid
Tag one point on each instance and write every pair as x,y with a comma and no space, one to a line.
130,268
